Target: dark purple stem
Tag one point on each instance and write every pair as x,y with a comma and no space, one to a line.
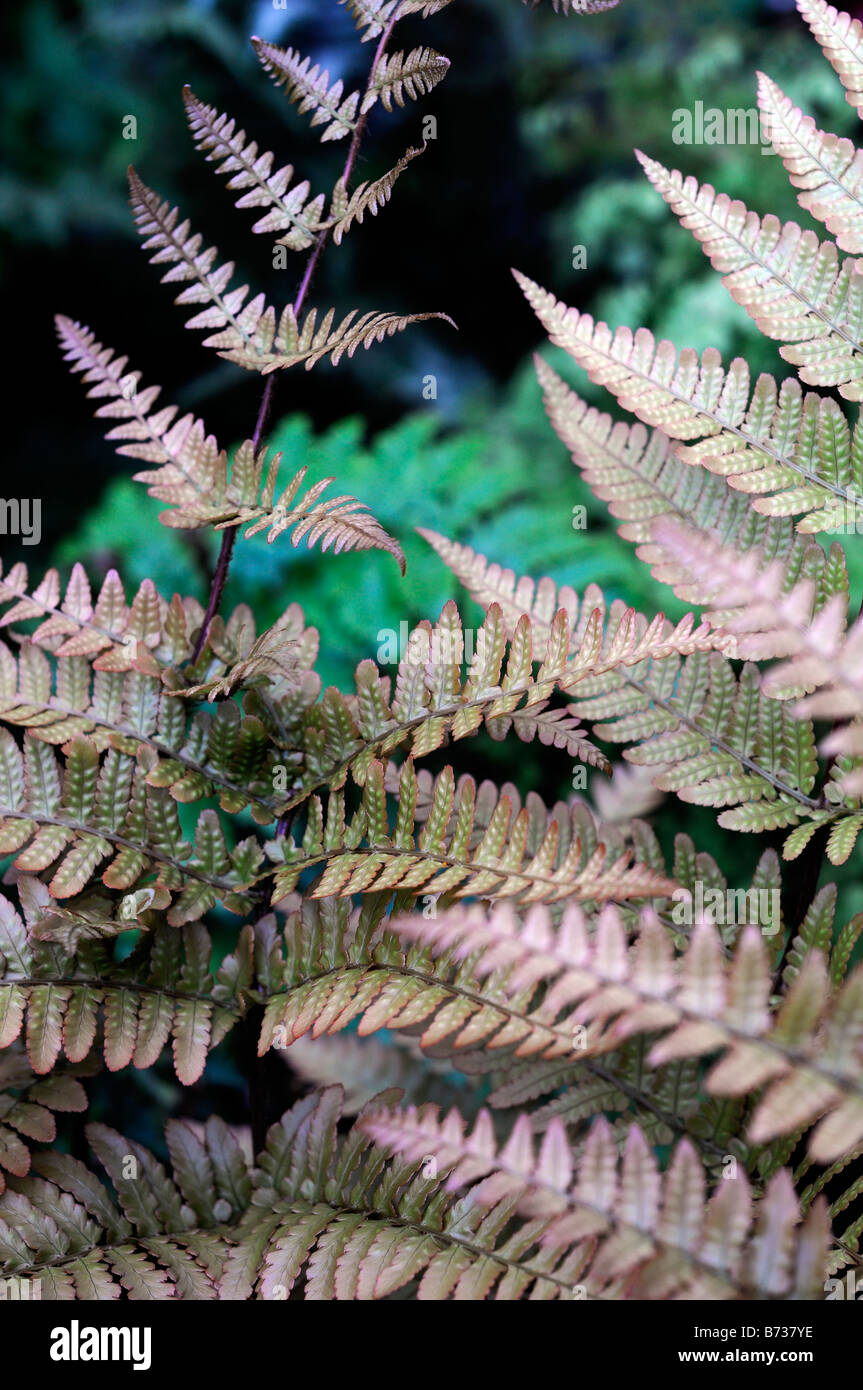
226,550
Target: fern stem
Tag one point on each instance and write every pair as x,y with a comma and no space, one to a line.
226,549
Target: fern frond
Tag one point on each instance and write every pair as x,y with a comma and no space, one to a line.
769,619
576,6
248,499
400,75
61,978
372,16
631,1230
441,859
28,1104
154,1235
108,672
795,288
290,209
726,743
335,1217
791,452
827,169
367,197
841,38
640,477
190,464
244,332
72,815
309,342
311,88
431,702
193,475
809,1055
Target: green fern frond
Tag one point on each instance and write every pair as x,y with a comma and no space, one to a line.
72,815
827,169
290,209
623,1224
311,88
808,1056
795,288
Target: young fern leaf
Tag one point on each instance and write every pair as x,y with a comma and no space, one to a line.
311,88
828,170
373,16
795,288
367,197
623,1228
841,38
639,475
244,332
809,1055
400,75
777,442
290,209
248,335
